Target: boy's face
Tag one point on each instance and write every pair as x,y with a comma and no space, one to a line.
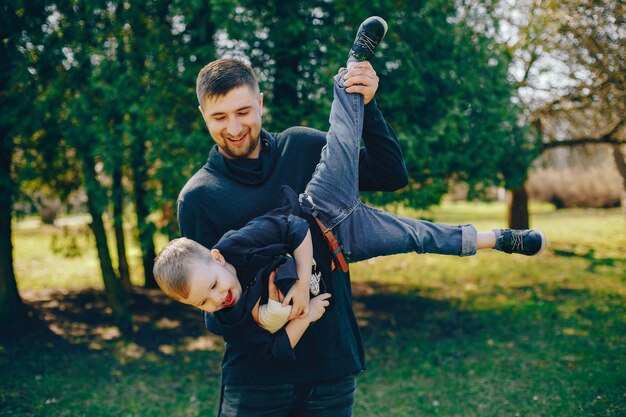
212,285
234,122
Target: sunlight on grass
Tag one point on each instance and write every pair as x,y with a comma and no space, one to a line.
594,244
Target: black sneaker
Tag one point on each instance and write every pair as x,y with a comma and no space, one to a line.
369,35
526,242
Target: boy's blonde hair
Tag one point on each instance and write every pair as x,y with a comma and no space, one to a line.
171,266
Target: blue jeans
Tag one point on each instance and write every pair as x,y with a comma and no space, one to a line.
365,232
333,398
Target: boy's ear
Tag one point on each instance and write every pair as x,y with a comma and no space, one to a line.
217,257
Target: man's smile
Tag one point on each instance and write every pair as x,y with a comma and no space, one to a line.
239,140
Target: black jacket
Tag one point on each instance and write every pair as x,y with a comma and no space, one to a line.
226,194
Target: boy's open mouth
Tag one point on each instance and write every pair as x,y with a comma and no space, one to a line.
229,299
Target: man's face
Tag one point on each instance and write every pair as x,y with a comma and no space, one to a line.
234,122
212,285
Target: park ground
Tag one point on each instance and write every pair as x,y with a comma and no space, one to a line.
491,335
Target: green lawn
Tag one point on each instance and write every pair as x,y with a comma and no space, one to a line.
491,335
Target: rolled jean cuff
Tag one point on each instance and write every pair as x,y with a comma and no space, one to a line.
469,239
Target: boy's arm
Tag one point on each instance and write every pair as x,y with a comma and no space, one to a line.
274,345
299,292
296,327
249,338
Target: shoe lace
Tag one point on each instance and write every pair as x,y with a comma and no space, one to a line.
366,42
517,244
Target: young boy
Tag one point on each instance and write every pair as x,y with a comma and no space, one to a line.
235,279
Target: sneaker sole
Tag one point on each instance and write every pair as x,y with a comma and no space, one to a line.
543,243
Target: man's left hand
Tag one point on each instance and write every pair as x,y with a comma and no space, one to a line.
362,79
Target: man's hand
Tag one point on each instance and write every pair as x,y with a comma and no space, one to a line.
274,292
298,295
362,79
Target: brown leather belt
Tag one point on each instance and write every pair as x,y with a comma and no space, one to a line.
334,246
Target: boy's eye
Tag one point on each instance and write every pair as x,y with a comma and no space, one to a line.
243,113
218,118
214,285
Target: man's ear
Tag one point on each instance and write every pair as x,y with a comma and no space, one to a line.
217,257
201,111
261,103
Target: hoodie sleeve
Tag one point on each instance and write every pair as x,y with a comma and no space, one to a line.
263,238
381,165
203,232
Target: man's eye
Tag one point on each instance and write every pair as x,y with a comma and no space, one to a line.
219,118
243,113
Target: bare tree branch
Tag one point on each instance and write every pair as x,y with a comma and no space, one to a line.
609,138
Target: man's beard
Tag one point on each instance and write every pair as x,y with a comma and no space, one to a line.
252,145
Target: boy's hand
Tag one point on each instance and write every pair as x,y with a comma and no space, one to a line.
298,295
317,307
362,79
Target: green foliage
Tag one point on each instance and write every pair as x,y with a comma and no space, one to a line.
123,87
105,87
443,87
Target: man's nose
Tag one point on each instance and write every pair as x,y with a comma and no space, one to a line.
234,127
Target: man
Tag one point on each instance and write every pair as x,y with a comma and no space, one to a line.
241,180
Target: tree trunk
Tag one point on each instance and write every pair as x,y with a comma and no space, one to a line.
146,229
518,209
118,224
11,307
114,289
620,162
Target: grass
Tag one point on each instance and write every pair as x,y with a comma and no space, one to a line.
491,335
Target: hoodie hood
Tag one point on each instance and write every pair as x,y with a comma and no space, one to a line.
247,170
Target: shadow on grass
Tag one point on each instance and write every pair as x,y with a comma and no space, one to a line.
82,318
382,309
590,255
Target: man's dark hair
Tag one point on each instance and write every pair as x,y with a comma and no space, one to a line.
219,77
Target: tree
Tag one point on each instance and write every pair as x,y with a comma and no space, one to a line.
20,30
445,88
76,89
443,84
569,64
164,46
